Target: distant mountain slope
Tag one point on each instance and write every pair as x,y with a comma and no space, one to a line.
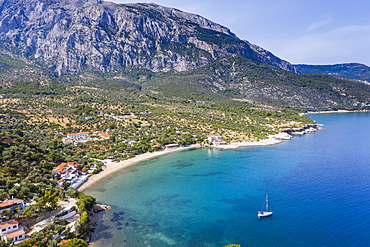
242,79
69,36
347,70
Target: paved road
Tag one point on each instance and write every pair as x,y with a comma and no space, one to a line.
42,224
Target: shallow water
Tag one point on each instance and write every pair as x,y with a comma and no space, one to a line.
318,187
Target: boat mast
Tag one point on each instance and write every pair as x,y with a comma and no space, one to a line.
267,203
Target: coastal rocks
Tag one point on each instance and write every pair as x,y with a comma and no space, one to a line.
100,207
94,219
308,129
273,139
282,136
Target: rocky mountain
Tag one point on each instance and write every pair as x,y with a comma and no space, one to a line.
355,71
67,37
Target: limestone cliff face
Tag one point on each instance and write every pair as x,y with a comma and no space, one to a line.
69,36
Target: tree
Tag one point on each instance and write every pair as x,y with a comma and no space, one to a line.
5,243
83,226
29,211
48,201
7,213
74,242
55,157
112,138
28,243
3,194
54,144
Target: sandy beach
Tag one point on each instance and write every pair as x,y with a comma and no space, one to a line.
111,167
265,142
338,111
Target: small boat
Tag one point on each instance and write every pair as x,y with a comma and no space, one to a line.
265,213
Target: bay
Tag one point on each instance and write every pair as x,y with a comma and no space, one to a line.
318,185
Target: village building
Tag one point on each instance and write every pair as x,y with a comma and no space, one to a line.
174,145
100,134
69,173
78,136
12,204
12,230
216,140
131,143
67,140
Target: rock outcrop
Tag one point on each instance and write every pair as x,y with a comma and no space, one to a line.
68,36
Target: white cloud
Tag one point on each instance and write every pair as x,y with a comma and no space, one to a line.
336,46
319,24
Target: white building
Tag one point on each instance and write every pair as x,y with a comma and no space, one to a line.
12,204
11,229
78,136
68,172
215,138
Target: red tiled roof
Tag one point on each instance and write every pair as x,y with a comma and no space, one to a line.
100,133
63,241
59,169
72,164
8,223
15,233
62,167
97,133
10,202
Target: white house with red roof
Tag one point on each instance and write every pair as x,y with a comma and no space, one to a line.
11,229
78,136
100,134
12,204
69,173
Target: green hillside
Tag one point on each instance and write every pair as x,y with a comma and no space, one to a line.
242,79
355,71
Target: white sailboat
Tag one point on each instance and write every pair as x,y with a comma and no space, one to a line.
265,213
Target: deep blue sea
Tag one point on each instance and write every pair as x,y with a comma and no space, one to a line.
318,186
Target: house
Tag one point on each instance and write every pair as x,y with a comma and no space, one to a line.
69,173
100,134
11,229
168,146
63,241
131,143
216,140
78,136
67,140
12,204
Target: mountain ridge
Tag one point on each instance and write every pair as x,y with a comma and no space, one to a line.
149,48
356,71
68,37
239,78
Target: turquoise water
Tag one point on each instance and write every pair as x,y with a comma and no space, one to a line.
318,185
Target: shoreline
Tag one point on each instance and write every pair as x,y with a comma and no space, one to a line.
338,111
111,167
265,142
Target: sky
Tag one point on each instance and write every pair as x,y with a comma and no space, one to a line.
299,31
